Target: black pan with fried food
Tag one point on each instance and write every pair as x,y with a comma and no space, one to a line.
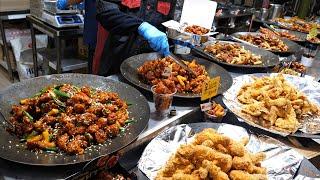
68,118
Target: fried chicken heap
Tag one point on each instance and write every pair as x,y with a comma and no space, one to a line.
213,156
265,41
153,73
233,54
284,34
68,119
273,103
194,29
296,24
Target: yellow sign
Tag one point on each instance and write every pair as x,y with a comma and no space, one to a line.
210,89
313,32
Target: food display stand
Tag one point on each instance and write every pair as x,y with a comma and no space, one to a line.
211,115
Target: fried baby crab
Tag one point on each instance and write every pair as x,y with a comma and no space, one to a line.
274,103
213,156
68,118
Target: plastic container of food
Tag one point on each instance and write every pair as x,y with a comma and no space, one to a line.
162,101
216,113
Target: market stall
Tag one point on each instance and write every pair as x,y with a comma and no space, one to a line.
224,103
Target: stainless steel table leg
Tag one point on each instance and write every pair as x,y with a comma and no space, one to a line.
6,51
34,51
58,49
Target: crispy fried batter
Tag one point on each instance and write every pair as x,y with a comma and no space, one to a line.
242,175
273,102
213,156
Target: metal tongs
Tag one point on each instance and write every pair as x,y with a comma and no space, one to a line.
181,63
272,29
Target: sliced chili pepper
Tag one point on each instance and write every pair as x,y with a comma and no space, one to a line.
28,115
129,121
61,94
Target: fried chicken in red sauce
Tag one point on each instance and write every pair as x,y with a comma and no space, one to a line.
69,119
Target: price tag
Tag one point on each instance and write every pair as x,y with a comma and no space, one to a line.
206,106
210,89
167,71
313,31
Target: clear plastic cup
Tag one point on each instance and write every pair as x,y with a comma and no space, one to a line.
162,102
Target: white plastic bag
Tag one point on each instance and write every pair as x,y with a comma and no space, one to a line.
22,49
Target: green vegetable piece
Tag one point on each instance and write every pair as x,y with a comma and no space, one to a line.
122,130
41,92
130,121
58,87
61,94
56,100
51,136
129,104
28,115
55,149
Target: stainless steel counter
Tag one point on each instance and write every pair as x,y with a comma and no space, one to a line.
187,112
11,170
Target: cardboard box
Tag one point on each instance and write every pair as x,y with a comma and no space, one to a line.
14,5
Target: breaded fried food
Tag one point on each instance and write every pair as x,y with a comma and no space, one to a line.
213,156
273,103
213,136
224,161
214,171
241,175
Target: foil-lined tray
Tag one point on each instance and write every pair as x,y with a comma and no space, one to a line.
308,125
282,162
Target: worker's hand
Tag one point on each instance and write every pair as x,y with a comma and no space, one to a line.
158,40
62,4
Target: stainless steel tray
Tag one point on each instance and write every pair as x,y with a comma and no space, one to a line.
292,46
269,59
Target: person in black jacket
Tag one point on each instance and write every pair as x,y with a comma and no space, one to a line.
132,30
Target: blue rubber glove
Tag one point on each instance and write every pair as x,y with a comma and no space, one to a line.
62,4
158,40
80,6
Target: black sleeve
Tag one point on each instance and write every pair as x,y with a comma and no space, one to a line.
115,21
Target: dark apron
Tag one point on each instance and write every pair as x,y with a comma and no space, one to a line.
112,49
